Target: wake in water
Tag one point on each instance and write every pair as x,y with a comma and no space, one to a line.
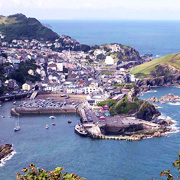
8,157
159,107
174,104
174,127
151,91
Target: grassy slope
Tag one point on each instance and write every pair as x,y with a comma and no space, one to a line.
20,27
146,68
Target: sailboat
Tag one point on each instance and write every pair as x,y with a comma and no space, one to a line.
17,126
52,117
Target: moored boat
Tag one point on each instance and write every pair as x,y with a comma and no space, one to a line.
47,127
69,121
52,117
17,126
80,130
53,124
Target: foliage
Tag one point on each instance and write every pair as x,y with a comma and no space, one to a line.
126,107
21,75
168,174
33,173
125,85
110,102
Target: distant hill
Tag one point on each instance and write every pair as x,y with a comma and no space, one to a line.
20,27
146,69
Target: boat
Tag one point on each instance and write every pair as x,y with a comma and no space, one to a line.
69,121
53,124
80,130
52,117
63,95
163,102
47,127
17,126
14,102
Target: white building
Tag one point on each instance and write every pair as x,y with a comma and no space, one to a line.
109,60
59,66
88,90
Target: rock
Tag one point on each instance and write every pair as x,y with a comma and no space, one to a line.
165,122
5,150
148,112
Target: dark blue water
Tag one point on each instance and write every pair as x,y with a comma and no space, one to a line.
92,159
156,37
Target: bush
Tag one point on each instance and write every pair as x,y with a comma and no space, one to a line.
33,173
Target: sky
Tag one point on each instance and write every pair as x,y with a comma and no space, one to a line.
94,9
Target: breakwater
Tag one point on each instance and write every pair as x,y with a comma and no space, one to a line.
42,110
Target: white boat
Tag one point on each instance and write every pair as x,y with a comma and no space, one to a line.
80,130
52,117
47,127
17,126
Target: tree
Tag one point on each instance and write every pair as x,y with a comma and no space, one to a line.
33,173
168,174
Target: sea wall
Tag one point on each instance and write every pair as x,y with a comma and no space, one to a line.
121,130
41,110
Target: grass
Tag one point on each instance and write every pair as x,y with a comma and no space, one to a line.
146,68
106,72
5,20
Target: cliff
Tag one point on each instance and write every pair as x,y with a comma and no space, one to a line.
162,75
159,72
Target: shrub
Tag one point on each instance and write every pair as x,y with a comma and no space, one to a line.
33,173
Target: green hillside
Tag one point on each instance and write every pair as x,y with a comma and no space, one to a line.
20,27
146,68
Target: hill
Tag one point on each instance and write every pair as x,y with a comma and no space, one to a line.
20,27
146,69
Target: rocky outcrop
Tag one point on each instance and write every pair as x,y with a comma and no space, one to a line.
5,150
165,122
139,108
148,112
164,75
167,97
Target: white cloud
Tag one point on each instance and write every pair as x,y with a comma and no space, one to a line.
95,4
99,8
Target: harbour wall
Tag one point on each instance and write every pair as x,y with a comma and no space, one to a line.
40,110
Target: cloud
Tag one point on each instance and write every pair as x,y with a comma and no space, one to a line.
94,4
132,9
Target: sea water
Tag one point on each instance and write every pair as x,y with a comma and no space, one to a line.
156,37
92,159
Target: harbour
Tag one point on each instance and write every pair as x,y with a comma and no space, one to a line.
61,146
